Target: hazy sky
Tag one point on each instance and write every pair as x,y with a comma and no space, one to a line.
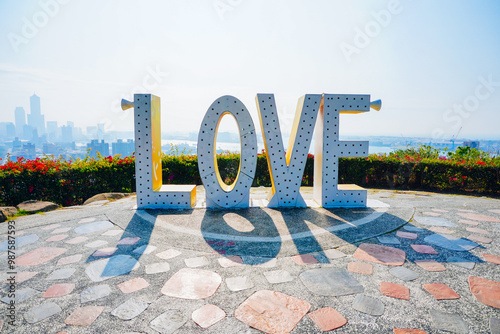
434,64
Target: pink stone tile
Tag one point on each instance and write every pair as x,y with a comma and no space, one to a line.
480,238
485,291
430,213
230,261
407,235
76,240
440,210
440,291
59,290
478,217
465,210
477,230
272,311
22,276
189,283
491,258
380,254
58,237
133,285
128,241
61,230
50,227
495,211
468,222
408,331
105,252
327,319
395,290
39,256
69,259
439,229
208,315
430,265
84,316
304,259
360,268
424,249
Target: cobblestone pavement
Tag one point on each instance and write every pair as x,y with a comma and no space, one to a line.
411,262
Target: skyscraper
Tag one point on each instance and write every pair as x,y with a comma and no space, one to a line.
20,118
35,119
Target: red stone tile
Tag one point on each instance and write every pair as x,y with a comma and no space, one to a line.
189,283
477,230
468,222
407,235
76,240
380,254
133,285
491,258
59,290
128,241
230,261
303,259
424,249
105,252
395,290
272,311
39,256
208,315
430,213
478,217
327,319
69,259
408,331
480,238
61,230
50,227
485,291
439,229
58,237
84,316
430,265
440,291
360,268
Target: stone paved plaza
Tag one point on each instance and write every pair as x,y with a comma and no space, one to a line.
410,262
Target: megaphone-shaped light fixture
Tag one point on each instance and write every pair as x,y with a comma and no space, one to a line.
127,104
376,105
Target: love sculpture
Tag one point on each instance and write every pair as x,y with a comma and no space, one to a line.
286,168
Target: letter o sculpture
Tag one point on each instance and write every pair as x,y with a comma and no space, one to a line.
219,194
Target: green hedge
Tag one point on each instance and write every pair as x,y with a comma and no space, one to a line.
72,182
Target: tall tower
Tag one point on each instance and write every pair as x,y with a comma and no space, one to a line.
35,119
20,117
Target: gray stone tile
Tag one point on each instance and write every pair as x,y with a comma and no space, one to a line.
94,293
278,276
450,242
368,305
412,228
156,268
96,244
41,312
94,227
387,239
450,322
22,295
433,221
461,262
145,249
494,325
168,322
239,283
130,309
333,254
114,266
403,273
61,274
169,254
330,282
20,241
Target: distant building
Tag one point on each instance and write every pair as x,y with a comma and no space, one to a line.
96,146
472,143
7,130
35,119
16,144
125,149
52,131
28,151
67,134
20,118
49,148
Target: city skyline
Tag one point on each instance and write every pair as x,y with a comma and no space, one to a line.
434,65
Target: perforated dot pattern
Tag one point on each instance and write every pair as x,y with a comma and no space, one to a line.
218,195
328,150
287,169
